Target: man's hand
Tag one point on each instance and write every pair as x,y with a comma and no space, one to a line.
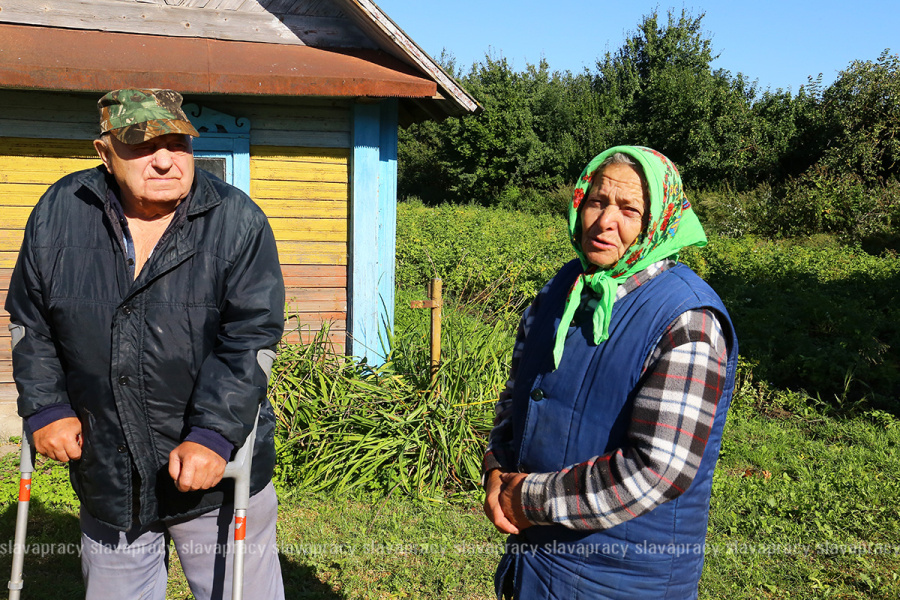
60,440
193,466
497,494
511,499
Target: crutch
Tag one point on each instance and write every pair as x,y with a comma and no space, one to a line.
26,468
239,470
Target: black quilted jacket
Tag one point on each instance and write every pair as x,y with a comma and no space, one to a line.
142,361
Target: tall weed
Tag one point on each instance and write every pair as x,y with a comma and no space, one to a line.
348,426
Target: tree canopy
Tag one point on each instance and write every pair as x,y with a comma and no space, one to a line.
540,127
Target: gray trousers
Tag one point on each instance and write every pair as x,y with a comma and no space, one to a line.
134,564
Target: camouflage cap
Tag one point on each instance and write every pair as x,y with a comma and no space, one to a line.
137,115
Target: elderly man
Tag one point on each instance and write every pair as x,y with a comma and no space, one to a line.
601,459
149,294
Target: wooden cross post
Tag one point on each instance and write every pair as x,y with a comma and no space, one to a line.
435,304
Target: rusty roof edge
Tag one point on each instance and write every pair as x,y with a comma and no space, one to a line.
74,60
372,19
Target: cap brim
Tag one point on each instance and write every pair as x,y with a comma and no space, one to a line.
141,132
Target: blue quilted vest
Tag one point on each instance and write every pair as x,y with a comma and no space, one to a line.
582,409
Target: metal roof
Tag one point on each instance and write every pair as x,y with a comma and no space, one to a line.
63,59
334,48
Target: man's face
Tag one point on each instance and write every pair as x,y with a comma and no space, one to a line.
157,173
612,214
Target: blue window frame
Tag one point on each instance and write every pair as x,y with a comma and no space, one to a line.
225,142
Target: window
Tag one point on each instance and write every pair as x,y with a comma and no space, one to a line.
217,165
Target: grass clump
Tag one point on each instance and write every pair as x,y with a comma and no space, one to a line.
345,425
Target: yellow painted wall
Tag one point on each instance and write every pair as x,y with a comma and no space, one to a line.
304,192
27,168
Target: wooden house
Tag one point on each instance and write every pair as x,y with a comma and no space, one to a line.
298,103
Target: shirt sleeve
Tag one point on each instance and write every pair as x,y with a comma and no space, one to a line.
670,423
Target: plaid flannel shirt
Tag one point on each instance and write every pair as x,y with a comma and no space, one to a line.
672,417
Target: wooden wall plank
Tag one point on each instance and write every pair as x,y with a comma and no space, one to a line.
151,19
43,171
313,209
300,154
363,276
387,215
319,305
11,239
325,139
214,19
299,316
308,335
8,259
319,282
48,148
300,253
16,216
286,190
315,171
304,271
59,116
308,230
313,295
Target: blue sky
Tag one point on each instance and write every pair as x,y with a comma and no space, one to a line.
779,43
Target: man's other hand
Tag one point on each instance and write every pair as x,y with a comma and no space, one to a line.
195,467
60,440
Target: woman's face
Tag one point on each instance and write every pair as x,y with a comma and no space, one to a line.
612,214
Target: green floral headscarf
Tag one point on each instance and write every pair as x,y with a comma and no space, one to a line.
672,226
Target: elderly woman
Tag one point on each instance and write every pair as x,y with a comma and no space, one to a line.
601,459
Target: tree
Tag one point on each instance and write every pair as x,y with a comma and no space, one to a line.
537,130
863,111
663,93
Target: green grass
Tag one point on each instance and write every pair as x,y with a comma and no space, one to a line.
804,503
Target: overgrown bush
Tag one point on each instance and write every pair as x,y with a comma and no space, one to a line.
820,317
495,256
342,425
812,313
731,213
